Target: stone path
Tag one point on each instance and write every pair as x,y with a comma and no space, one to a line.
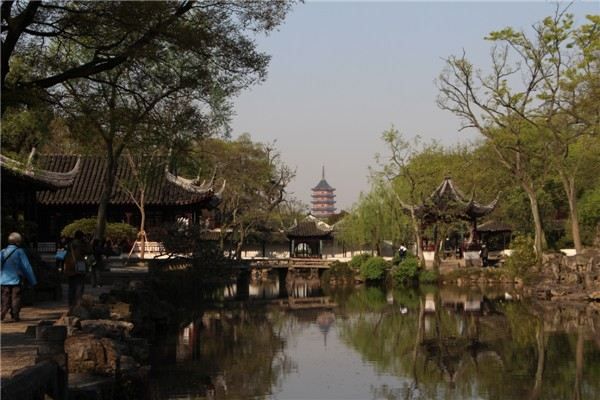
17,345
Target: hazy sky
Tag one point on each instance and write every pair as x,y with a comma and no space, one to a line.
343,72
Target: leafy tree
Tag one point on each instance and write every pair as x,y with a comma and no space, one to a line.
531,124
256,186
45,44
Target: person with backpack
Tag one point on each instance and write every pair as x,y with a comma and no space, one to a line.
75,267
15,265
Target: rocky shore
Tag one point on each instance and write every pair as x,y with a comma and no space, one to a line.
109,337
98,350
560,278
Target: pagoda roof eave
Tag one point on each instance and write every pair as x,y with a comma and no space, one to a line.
40,178
447,202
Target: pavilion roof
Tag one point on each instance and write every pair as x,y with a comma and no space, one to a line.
448,202
310,227
38,178
164,187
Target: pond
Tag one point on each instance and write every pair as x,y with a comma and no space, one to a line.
376,343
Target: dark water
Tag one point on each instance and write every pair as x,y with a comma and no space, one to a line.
372,343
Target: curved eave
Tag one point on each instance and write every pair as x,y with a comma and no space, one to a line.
45,180
190,185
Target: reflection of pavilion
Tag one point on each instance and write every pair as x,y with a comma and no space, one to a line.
451,347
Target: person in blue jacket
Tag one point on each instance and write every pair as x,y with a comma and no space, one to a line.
15,265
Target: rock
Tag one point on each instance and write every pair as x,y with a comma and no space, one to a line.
557,292
120,311
128,363
72,323
572,278
107,328
519,282
136,285
90,310
594,296
90,354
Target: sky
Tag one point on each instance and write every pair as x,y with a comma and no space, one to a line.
341,73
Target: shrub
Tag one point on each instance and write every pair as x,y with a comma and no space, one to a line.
407,271
523,256
374,268
428,276
339,271
114,230
358,260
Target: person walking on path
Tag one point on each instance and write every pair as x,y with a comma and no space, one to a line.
15,265
75,267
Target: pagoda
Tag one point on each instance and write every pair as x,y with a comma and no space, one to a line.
323,199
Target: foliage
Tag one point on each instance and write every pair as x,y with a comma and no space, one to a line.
533,125
358,260
254,196
374,268
340,272
114,230
523,257
46,44
428,276
407,271
589,211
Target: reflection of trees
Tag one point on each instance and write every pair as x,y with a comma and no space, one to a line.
239,353
456,354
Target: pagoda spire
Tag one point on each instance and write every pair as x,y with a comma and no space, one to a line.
323,173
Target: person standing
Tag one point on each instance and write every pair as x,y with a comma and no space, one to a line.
15,265
75,267
484,255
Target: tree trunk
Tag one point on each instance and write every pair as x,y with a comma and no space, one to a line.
540,237
109,180
143,227
240,244
418,238
569,186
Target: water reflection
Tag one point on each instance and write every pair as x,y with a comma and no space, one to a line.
273,285
396,344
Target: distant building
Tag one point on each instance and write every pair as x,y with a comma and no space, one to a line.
323,199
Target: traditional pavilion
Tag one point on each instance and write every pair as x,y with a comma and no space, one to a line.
447,204
307,237
496,235
323,198
20,183
168,197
